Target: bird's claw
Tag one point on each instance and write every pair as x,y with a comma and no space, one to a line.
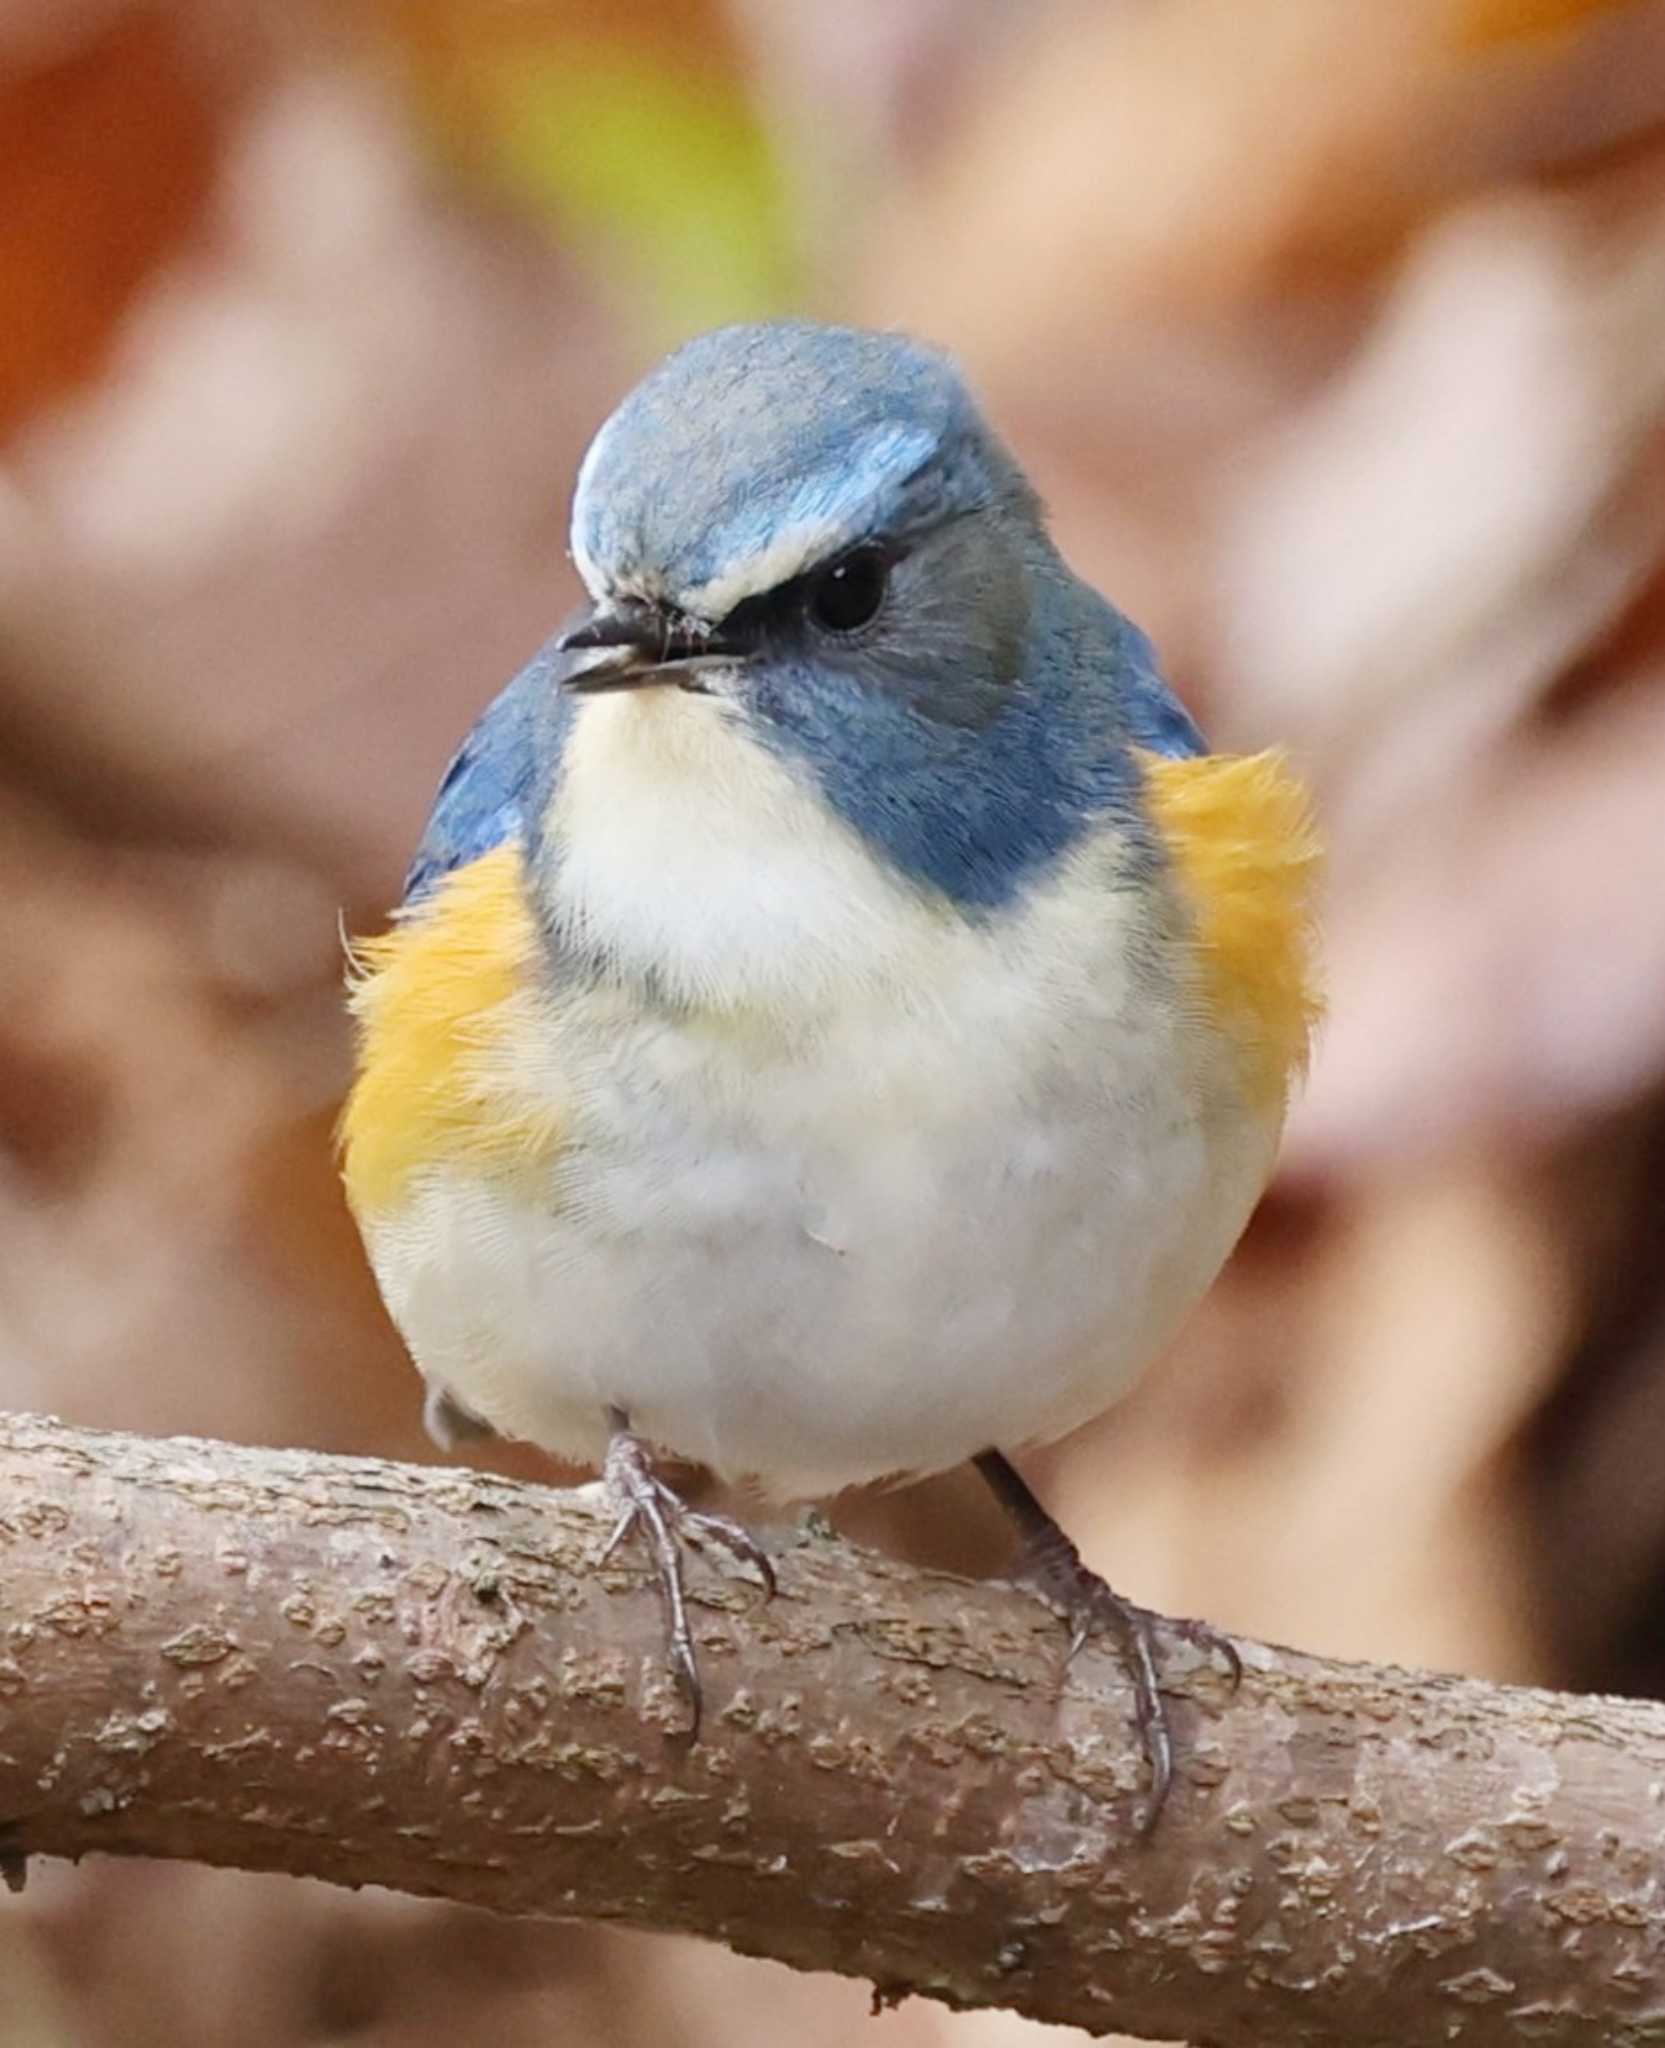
1053,1570
645,1505
733,1538
1211,1641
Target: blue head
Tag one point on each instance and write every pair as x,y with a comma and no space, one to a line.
814,529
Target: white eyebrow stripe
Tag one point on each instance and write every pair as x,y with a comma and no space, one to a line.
788,554
590,571
814,518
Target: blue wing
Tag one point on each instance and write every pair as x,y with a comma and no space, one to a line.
490,791
1156,718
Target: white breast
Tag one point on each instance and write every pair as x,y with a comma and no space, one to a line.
924,1187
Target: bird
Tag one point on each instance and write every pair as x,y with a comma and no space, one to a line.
840,1018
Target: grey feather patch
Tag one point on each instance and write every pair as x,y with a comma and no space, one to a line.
449,1423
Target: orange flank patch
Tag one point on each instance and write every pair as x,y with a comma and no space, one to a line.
1240,832
434,1001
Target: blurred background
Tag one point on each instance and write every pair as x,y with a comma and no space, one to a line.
1335,337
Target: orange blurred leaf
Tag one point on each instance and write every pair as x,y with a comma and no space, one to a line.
1509,21
109,156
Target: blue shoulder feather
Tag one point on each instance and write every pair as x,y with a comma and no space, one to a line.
489,791
1156,719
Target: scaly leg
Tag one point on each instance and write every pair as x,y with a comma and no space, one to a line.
645,1505
1051,1566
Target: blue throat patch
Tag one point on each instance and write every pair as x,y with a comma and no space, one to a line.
978,812
972,813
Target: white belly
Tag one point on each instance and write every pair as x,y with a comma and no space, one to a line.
916,1186
820,1274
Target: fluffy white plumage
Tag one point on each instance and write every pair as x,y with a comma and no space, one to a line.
899,1186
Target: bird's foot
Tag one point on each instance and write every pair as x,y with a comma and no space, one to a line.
1052,1568
646,1506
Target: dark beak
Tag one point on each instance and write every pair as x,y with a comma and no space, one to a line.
636,645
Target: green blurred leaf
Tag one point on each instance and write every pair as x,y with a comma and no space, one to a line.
670,169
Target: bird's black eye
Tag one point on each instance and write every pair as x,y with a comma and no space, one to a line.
850,592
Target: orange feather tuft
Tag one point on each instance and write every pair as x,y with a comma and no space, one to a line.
1240,832
434,1000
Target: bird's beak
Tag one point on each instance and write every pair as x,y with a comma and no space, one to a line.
632,645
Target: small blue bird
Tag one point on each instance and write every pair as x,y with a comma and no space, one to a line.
840,1019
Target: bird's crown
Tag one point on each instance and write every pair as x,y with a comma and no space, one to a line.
754,453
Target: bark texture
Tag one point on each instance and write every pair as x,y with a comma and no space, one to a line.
383,1674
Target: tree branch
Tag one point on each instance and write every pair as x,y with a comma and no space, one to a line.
382,1674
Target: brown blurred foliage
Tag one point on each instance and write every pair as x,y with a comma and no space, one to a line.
1335,338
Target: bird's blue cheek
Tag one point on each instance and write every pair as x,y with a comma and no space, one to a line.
975,813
